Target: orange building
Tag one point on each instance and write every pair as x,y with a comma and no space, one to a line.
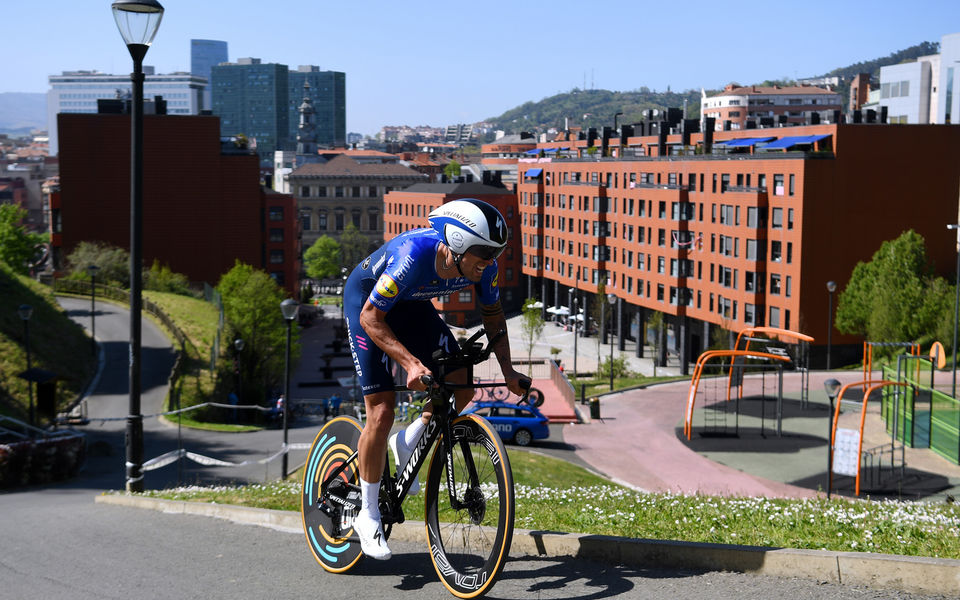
735,231
408,209
737,106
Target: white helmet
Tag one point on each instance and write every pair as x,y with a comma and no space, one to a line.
470,225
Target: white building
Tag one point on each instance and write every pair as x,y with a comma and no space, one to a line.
926,91
78,92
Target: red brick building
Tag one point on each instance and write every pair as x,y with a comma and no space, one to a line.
745,229
408,209
203,205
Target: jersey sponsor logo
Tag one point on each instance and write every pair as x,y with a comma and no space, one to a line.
376,267
365,264
387,287
378,302
495,280
405,266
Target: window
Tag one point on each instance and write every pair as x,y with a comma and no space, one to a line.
465,295
775,284
751,249
790,217
276,235
792,183
774,316
338,191
322,220
777,218
775,253
339,221
276,257
304,191
276,213
372,191
778,184
322,191
786,290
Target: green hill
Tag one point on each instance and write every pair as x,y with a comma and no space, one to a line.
596,108
56,344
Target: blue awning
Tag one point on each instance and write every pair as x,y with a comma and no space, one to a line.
551,149
790,141
533,151
533,172
743,142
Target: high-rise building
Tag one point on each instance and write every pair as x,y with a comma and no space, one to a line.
252,99
79,91
327,94
204,55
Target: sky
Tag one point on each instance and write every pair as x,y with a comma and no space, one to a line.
437,63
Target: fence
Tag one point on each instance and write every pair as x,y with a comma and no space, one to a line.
921,416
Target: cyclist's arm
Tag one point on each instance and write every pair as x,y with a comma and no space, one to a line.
493,322
373,320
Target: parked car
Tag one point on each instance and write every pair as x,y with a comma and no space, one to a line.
520,423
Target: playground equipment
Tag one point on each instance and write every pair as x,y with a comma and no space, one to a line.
848,456
769,354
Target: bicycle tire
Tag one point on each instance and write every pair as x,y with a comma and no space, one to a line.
469,547
334,444
499,393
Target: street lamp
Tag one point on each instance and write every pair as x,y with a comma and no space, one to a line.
831,288
289,310
611,300
92,270
238,346
956,309
832,387
26,311
576,315
343,289
138,21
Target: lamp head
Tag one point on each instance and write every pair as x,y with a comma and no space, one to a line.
289,309
92,270
25,311
831,286
238,344
832,387
138,21
611,299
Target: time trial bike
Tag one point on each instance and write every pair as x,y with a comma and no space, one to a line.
469,498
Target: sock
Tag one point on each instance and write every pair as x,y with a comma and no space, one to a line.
370,499
412,432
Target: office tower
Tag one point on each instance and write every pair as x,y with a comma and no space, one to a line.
204,55
327,95
251,99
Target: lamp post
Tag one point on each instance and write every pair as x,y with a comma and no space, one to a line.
26,311
576,323
343,287
615,120
832,387
611,300
238,346
831,288
289,310
956,310
92,270
138,21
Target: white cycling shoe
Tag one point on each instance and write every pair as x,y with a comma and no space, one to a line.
401,454
370,532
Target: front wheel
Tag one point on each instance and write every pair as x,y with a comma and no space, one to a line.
470,536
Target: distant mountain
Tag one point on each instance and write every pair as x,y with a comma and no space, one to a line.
596,108
21,112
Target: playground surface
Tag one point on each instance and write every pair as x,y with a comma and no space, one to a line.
639,441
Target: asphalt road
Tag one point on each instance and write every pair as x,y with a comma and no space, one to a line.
57,543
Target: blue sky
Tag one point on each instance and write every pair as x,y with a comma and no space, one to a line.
436,63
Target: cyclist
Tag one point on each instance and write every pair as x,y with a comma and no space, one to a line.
389,315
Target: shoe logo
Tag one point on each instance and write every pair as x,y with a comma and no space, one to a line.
376,536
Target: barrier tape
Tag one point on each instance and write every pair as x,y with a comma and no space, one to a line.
183,410
208,461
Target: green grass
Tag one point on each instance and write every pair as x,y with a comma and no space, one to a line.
601,385
57,344
553,495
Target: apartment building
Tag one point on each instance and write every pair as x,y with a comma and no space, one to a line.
731,229
736,106
198,225
408,209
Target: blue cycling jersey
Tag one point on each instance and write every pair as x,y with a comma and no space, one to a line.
405,269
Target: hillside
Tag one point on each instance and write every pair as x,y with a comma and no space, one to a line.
56,344
22,112
596,108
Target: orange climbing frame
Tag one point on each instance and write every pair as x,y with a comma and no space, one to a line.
698,371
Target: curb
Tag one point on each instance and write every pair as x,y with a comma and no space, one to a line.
913,574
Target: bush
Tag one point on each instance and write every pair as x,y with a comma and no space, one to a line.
162,279
619,368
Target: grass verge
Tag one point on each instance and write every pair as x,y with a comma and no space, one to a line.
554,495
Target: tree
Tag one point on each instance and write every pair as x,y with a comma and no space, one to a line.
531,324
655,322
895,297
323,258
251,307
17,245
114,263
452,170
353,246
